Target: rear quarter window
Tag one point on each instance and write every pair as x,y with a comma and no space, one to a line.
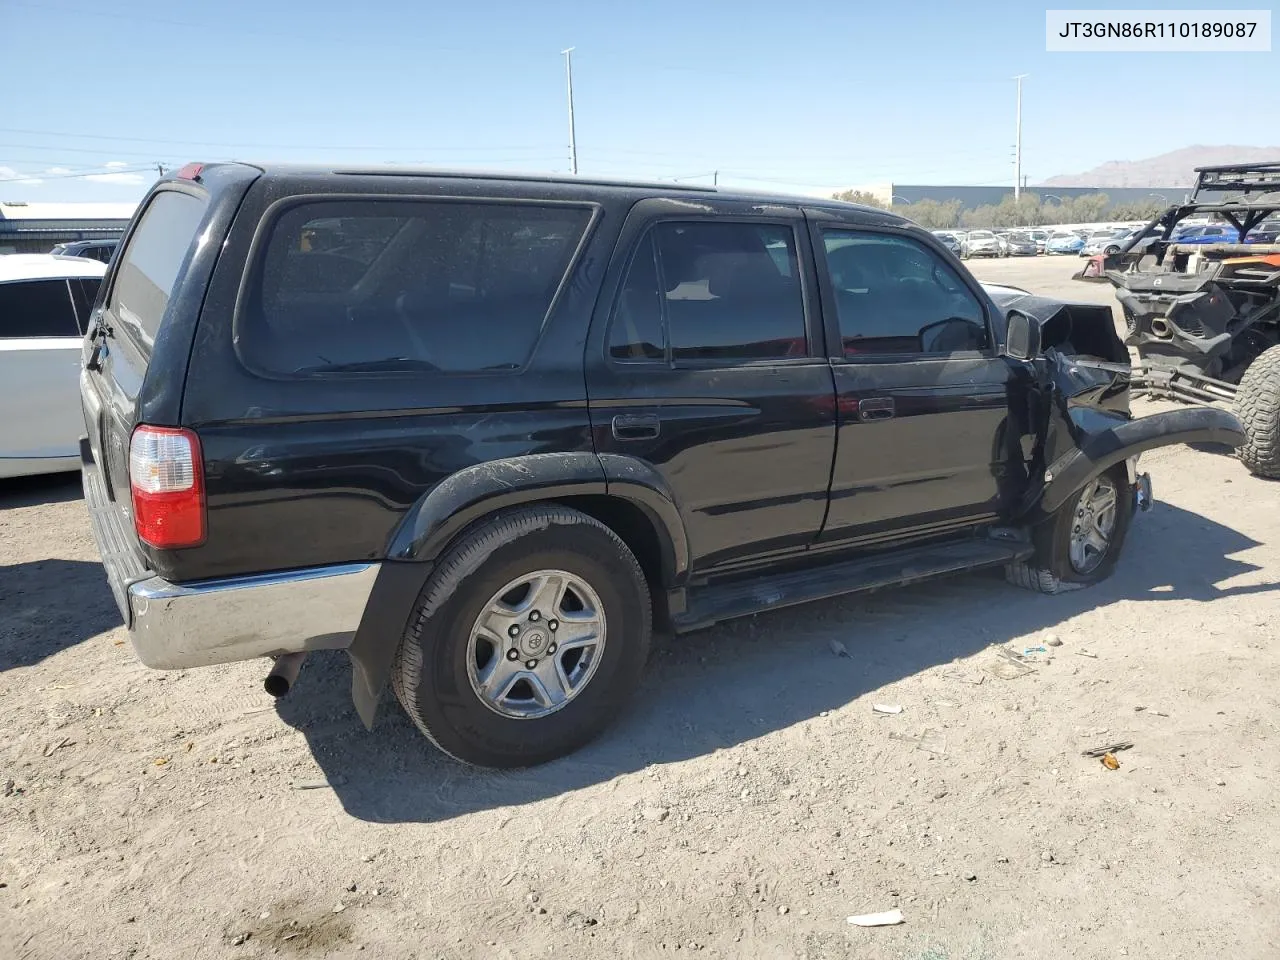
151,262
371,286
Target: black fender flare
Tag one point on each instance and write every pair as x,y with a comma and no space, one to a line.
1101,451
470,495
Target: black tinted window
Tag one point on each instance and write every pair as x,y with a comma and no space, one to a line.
894,295
84,291
148,270
636,333
36,308
731,291
460,287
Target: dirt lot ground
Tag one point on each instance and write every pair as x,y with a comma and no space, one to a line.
748,804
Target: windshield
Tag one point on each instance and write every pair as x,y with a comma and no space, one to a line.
982,235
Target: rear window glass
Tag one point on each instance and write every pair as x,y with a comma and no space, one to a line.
352,286
37,308
148,269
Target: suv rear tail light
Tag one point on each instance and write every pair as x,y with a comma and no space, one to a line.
166,477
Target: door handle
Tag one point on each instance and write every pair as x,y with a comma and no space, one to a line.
875,408
636,426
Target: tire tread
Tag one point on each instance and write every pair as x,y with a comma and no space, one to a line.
459,563
1258,407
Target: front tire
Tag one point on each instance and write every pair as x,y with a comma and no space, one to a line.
1080,544
1258,407
527,639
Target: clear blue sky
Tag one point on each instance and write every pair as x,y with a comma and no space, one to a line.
786,93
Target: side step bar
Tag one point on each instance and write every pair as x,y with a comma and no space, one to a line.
711,604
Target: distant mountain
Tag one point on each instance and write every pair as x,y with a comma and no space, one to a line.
1176,169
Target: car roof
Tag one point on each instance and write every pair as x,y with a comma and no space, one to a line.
636,189
45,266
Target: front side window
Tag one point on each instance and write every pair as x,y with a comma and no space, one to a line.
893,295
37,308
728,292
462,287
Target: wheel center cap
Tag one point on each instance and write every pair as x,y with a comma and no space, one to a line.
533,642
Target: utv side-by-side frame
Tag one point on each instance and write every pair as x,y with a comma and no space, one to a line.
1204,318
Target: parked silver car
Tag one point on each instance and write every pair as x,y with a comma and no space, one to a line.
1019,244
981,243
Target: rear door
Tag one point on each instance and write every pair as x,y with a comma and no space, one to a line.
922,394
39,357
707,364
139,289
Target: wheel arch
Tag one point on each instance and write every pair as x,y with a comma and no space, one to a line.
624,494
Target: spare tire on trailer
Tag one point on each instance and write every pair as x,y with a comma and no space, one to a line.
1258,407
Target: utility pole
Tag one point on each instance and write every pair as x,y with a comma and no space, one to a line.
573,144
160,167
1017,144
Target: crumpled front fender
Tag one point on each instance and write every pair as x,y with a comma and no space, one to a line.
1099,450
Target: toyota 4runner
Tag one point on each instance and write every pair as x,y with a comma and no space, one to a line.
486,433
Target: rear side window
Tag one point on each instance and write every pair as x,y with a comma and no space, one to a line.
148,269
37,308
462,287
724,292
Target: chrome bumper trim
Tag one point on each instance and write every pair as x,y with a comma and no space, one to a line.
179,625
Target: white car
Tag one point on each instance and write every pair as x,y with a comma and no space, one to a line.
44,311
981,243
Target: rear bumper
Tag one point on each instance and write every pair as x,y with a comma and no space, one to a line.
178,625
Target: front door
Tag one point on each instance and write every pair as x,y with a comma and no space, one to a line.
922,396
707,366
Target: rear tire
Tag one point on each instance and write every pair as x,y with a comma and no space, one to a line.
467,624
1057,565
1258,407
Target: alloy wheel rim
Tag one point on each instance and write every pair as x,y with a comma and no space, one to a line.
536,644
1093,526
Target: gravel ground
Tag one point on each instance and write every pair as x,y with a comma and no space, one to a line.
749,803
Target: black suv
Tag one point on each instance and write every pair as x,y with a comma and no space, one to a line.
485,433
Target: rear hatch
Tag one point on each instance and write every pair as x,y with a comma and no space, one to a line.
122,343
137,351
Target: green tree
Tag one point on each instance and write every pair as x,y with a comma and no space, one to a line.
862,197
1138,210
931,214
1088,208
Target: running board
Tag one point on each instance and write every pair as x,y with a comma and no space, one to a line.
711,604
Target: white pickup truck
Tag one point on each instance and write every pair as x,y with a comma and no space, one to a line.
44,311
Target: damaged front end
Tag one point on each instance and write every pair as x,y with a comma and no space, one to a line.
1072,405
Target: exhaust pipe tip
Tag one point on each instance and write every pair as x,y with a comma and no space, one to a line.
1160,328
283,674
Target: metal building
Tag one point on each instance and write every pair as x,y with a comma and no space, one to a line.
37,227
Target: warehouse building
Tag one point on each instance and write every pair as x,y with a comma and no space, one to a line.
37,227
971,197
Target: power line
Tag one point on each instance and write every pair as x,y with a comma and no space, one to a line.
105,172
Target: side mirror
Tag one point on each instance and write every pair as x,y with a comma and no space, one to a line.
1022,339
